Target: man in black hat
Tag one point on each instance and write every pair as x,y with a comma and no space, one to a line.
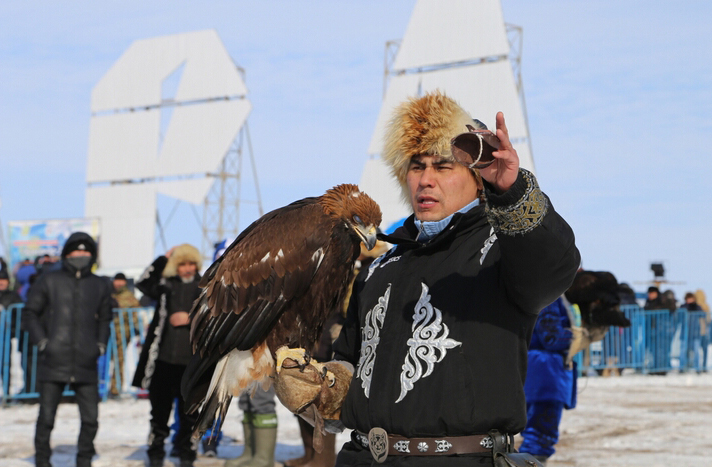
68,314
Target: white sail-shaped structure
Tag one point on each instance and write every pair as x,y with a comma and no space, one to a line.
143,143
460,47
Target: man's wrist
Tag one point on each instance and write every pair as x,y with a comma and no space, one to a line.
520,209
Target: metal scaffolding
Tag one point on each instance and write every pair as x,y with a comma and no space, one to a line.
221,208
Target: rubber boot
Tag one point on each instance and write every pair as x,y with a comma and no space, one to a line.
327,457
265,436
307,432
249,451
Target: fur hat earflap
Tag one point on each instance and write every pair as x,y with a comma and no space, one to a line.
419,126
184,253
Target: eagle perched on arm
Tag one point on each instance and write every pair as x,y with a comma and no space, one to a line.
275,286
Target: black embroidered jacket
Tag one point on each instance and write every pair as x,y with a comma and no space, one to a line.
438,333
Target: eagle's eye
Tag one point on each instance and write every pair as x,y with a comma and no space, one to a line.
357,219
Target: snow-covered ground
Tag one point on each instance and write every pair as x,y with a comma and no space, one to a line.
632,421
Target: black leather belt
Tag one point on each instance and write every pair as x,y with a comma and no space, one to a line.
383,444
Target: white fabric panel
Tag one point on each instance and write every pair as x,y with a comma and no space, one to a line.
209,71
482,90
128,217
446,31
378,183
135,80
192,190
199,136
123,146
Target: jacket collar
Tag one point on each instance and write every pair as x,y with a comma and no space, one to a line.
427,230
459,222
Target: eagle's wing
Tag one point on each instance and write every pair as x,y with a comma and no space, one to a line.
247,289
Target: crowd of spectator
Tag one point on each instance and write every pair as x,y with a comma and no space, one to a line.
171,284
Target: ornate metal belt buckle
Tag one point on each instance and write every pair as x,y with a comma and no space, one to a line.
378,444
487,442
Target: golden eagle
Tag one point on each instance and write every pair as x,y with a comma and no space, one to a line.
274,286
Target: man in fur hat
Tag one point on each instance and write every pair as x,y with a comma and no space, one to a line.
438,327
172,280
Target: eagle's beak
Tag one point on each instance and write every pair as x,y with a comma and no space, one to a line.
368,235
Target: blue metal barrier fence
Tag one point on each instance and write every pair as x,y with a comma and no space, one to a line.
18,358
657,341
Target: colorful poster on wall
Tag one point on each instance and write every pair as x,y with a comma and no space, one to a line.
29,239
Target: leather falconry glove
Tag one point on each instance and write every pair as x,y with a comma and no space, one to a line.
315,392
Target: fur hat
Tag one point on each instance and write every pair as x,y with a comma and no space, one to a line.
184,253
423,125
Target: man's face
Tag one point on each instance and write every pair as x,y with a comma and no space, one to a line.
439,187
119,284
652,295
186,270
4,284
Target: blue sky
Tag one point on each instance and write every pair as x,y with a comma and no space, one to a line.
619,98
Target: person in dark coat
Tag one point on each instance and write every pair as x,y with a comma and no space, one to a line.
172,280
550,386
661,331
68,316
8,297
438,327
655,301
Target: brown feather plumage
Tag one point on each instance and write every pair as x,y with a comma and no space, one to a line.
278,282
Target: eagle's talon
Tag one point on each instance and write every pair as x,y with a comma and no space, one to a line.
298,355
331,377
326,375
307,360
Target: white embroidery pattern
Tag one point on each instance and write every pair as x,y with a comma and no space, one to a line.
428,345
488,244
377,263
370,336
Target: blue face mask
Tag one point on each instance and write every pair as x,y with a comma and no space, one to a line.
78,262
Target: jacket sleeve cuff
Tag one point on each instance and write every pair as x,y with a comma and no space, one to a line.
520,209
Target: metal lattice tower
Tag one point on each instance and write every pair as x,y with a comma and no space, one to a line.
221,208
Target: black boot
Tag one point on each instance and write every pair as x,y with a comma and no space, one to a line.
210,447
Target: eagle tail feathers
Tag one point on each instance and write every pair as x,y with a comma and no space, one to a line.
234,374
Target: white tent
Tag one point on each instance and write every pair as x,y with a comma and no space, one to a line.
134,154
